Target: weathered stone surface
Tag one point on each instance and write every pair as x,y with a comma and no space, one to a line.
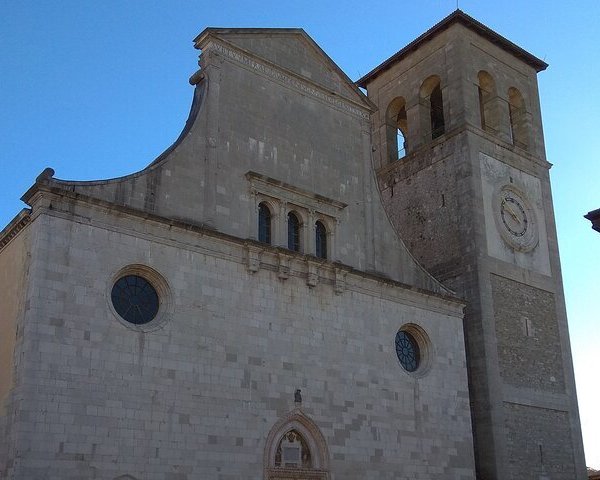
259,352
443,198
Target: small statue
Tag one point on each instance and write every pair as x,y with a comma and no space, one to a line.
298,396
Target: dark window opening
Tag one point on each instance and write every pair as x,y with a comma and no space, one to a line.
320,240
436,112
135,299
407,350
293,232
517,117
481,107
264,223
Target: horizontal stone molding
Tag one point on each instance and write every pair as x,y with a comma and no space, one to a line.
286,78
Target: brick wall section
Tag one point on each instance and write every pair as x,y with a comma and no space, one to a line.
547,449
531,360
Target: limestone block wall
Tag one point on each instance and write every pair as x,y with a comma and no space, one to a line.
198,397
300,124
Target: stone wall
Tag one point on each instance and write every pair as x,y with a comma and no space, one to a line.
422,195
539,443
529,350
197,397
14,262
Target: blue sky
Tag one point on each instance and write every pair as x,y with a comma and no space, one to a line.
99,89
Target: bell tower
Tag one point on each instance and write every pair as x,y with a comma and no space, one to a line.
460,159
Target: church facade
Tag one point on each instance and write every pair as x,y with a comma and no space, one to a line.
311,283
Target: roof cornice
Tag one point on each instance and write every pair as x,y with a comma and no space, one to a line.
460,17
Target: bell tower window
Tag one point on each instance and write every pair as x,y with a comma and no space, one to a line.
518,118
396,129
488,108
437,112
432,108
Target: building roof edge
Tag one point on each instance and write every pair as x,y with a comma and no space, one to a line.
458,16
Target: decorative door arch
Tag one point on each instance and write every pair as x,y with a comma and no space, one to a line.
296,450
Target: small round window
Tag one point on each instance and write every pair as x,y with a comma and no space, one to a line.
135,299
408,351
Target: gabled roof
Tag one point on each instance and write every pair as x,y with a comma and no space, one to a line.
201,39
458,16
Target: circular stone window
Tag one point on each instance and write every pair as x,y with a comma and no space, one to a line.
140,298
407,350
135,299
412,349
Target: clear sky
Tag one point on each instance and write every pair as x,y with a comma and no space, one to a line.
99,89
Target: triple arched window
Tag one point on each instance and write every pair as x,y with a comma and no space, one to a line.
432,122
295,232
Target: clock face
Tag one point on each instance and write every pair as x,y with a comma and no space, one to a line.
515,218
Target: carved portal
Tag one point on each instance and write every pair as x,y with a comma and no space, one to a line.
296,450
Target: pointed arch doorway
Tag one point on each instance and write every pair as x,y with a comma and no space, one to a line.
296,450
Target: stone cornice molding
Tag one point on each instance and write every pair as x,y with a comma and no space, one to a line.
285,77
21,220
387,172
274,187
58,202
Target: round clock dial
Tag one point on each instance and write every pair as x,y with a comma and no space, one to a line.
513,214
515,218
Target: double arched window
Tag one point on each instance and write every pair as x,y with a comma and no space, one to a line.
492,108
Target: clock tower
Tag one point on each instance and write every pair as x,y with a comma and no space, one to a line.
460,159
